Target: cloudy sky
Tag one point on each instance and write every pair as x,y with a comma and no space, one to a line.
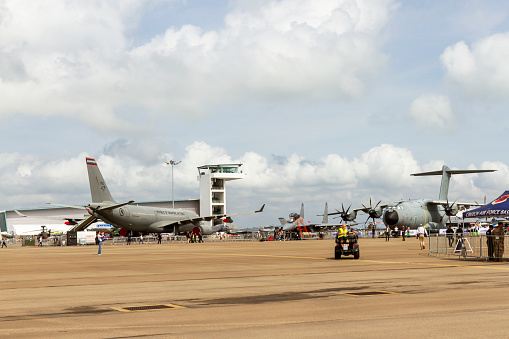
320,100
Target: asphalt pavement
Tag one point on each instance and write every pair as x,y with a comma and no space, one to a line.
249,289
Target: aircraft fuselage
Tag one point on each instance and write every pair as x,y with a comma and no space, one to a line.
414,213
148,219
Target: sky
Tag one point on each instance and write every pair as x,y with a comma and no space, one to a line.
334,101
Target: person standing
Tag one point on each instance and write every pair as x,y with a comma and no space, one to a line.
101,239
387,233
129,238
449,233
489,242
141,239
421,233
159,238
403,232
3,242
459,234
498,234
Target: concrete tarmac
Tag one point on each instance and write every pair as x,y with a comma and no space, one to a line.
249,289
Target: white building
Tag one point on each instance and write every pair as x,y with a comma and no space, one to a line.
212,180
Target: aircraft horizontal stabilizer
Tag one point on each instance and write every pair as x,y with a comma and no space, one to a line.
112,207
451,172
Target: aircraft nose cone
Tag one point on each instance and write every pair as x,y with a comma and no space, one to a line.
391,218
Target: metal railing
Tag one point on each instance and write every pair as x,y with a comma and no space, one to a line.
468,246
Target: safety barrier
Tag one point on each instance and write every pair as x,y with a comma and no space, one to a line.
468,246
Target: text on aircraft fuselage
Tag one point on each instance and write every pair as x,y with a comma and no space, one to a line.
143,219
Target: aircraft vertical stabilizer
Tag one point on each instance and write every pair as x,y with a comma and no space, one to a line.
3,222
325,219
98,187
302,211
444,186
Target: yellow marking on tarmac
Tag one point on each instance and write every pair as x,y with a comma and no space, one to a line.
349,261
246,255
434,264
147,308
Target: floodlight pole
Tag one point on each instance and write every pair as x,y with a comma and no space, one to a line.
172,163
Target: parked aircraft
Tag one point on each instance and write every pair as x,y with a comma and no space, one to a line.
297,220
433,214
2,233
140,218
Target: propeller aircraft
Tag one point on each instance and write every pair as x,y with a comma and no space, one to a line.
433,214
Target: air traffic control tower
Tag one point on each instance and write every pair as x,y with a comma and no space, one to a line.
212,180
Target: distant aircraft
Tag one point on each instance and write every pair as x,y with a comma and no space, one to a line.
140,218
433,214
297,220
2,233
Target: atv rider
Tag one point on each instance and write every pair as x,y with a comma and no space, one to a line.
342,235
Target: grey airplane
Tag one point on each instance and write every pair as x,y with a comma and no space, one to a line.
297,220
140,218
433,214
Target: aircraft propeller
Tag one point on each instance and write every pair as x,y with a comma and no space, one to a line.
449,210
346,215
372,211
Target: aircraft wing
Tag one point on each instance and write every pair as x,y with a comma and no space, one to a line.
366,209
208,218
74,221
339,212
69,206
465,204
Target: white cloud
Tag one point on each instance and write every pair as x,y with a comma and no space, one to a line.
381,173
480,70
75,59
432,112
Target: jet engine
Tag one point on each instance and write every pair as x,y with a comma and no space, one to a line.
205,229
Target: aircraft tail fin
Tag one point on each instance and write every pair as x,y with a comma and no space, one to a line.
446,173
302,211
98,187
3,221
282,221
325,219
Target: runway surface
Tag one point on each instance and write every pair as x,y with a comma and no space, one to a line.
249,289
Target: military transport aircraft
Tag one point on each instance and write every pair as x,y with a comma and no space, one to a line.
297,220
433,214
140,218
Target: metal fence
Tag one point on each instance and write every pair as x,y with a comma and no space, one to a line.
467,246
